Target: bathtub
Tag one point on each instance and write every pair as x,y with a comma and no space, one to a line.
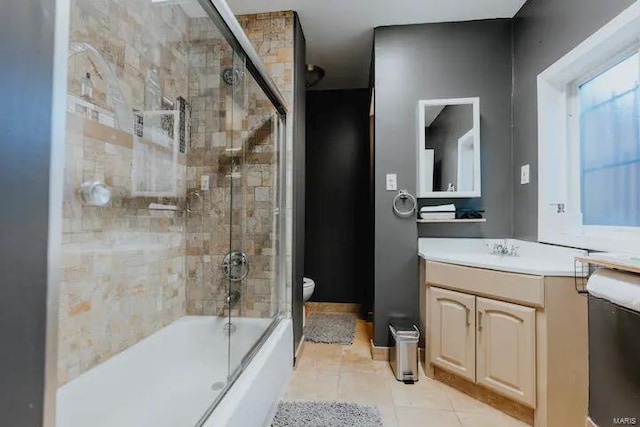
171,378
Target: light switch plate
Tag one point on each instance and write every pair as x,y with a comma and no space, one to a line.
204,182
392,182
524,174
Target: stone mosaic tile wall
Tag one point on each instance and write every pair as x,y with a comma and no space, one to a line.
244,119
272,36
123,265
208,226
127,270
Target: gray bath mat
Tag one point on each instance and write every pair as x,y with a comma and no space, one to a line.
330,328
326,414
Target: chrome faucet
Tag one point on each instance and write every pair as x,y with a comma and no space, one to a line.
503,249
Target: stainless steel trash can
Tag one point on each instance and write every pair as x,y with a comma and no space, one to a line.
404,351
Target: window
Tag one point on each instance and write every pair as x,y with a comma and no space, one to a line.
589,141
609,138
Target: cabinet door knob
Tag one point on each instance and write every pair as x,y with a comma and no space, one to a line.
468,313
479,320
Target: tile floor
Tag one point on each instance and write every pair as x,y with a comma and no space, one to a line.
347,373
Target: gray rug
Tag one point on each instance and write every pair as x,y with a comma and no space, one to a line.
330,328
326,414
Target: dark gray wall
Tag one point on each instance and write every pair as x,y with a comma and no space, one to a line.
26,67
338,237
543,32
299,102
442,136
431,61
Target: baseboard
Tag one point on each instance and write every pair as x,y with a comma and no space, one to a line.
379,353
332,307
495,400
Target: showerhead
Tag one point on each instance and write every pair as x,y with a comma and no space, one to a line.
314,75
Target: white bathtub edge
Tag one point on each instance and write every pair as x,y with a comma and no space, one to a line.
252,400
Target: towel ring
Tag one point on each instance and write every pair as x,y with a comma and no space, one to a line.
404,195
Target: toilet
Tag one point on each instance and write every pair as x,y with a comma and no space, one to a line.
308,286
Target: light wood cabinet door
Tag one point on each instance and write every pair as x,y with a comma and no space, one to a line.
506,349
452,324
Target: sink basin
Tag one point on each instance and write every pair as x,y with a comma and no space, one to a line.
533,258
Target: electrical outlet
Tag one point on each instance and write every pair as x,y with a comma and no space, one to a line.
524,175
392,182
204,182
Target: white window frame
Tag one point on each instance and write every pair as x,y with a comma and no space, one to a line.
558,139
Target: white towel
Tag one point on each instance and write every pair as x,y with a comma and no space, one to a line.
615,286
441,208
437,215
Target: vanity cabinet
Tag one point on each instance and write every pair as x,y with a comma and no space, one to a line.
512,340
506,349
486,341
453,339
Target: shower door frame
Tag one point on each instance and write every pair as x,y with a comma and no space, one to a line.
224,19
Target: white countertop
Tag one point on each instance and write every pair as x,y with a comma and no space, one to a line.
534,258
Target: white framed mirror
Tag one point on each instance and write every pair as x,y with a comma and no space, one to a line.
449,148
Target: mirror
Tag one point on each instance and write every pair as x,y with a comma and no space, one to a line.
449,148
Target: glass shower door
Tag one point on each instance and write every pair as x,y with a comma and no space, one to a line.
255,244
237,264
147,214
209,224
172,255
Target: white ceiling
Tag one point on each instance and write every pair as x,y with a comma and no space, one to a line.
339,33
